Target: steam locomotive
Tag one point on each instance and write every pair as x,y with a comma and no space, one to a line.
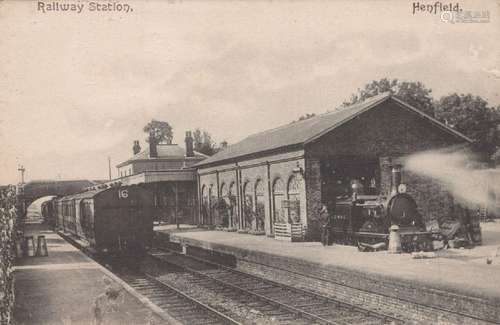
108,221
364,220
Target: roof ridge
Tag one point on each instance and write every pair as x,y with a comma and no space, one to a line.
306,131
336,110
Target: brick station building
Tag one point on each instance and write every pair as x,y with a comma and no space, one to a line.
281,177
167,171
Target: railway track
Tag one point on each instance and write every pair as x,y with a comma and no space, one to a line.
179,305
284,303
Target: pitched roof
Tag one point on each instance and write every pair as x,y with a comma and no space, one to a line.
165,151
305,131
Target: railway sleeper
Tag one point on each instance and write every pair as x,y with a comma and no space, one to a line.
248,287
317,308
309,304
262,288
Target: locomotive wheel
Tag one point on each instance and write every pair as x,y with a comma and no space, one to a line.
369,226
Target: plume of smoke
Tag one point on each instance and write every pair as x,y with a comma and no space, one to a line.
460,172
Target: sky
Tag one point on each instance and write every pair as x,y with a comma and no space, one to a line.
77,88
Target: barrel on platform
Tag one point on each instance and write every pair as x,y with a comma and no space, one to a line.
30,246
41,249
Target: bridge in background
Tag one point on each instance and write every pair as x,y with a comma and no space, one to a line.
33,190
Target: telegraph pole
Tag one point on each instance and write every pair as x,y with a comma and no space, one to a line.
22,170
109,167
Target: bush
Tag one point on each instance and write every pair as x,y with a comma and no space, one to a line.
8,217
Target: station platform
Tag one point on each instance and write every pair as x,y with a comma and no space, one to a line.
66,286
458,280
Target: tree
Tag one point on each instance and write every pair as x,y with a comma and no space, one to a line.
305,117
413,93
203,142
472,116
162,131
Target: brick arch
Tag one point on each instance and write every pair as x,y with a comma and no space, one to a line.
278,182
278,195
295,196
259,181
212,194
248,204
204,190
232,192
223,189
260,204
274,176
205,204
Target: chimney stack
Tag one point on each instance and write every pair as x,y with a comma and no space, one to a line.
189,144
396,178
153,153
137,147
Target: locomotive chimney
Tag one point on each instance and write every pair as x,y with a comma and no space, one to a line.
153,153
189,144
137,147
396,178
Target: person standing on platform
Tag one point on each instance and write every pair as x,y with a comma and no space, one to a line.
325,225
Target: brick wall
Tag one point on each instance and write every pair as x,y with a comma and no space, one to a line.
265,169
380,302
313,191
410,300
385,174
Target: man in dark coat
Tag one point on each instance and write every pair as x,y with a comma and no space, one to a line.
325,221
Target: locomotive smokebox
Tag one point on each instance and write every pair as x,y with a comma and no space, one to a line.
396,178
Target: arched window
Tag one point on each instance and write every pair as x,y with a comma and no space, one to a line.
225,208
212,199
205,204
223,190
294,194
232,195
278,197
260,205
248,205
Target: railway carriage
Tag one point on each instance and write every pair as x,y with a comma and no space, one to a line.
108,221
49,213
